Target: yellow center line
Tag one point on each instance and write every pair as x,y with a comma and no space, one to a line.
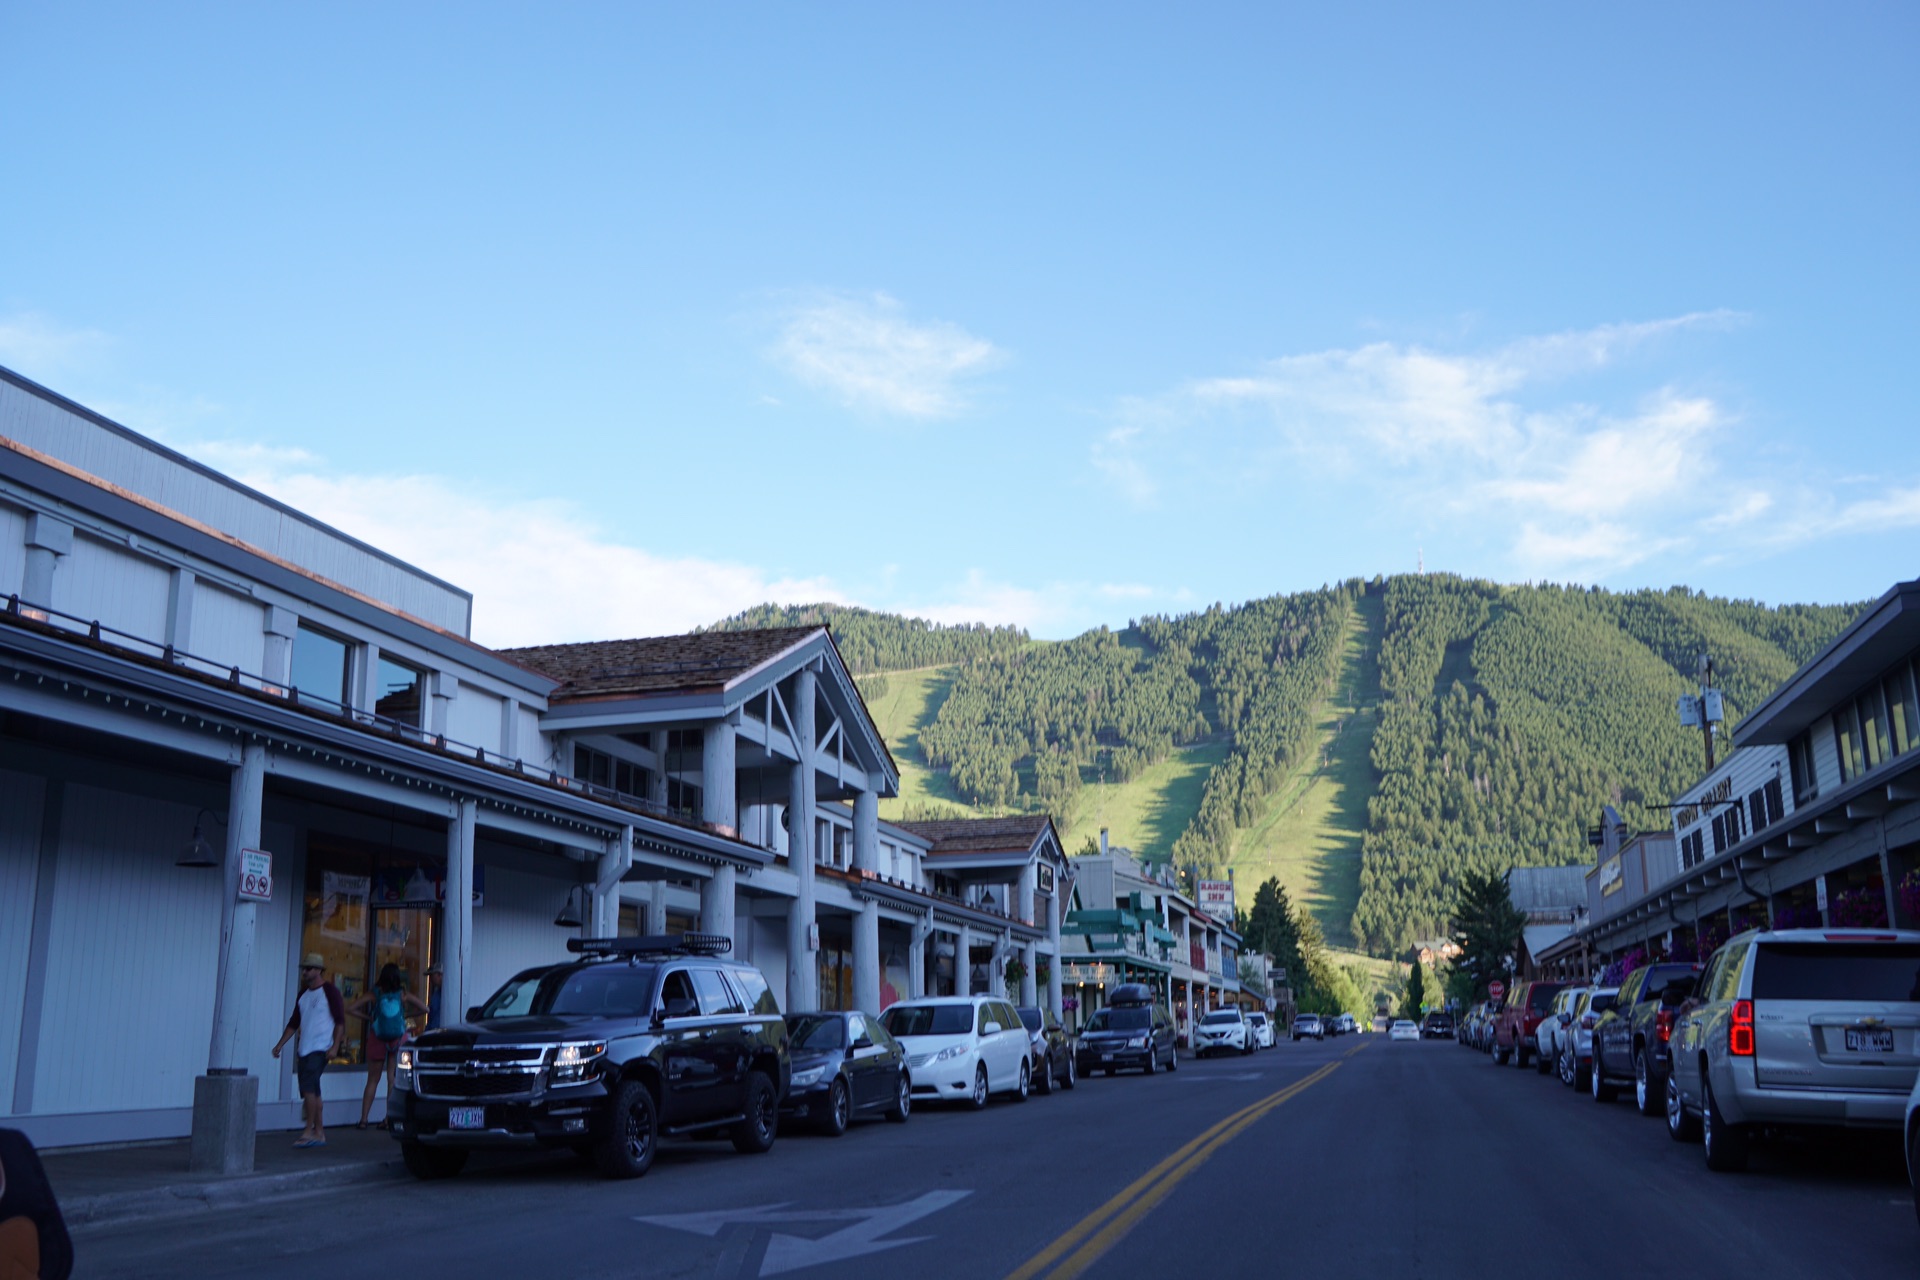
1116,1217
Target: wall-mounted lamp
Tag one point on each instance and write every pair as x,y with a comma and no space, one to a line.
198,852
569,918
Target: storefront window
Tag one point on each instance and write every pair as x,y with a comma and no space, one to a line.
1903,716
363,911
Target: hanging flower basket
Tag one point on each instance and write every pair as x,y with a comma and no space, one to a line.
1800,915
1016,971
1910,896
1863,906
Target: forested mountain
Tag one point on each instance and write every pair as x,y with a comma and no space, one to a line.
1507,716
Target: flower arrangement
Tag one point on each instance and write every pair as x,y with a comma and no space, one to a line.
1683,948
1791,915
1751,916
1711,932
1016,970
1863,906
1069,1002
1910,896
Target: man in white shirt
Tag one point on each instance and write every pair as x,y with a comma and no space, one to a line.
320,1020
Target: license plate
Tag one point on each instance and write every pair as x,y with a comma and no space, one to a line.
1869,1040
466,1117
1106,1057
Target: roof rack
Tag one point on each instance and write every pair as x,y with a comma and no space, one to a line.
690,944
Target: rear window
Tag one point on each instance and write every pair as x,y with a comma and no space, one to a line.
1837,971
1540,996
929,1020
1601,1003
1030,1019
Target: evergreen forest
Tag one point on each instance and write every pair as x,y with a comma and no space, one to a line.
1501,718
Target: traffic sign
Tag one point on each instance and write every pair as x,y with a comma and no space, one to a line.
256,875
1496,989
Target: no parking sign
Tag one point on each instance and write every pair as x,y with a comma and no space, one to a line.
256,875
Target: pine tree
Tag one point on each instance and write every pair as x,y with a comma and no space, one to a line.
1486,928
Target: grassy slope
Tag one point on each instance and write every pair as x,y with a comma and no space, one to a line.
913,698
1148,813
1309,837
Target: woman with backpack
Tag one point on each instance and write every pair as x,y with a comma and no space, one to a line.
385,1009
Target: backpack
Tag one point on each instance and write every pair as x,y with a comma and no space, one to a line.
389,1015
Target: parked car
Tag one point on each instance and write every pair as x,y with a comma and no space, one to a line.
639,1039
1345,1024
1051,1049
845,1065
1484,1037
1262,1029
1403,1029
1222,1031
1519,1019
962,1048
1552,1035
1631,1040
1132,1031
1913,1143
1308,1024
1796,1027
1438,1026
1576,1059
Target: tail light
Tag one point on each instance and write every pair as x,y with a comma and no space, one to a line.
1586,1022
1663,1025
1740,1034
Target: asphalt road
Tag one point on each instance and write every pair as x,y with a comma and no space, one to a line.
1341,1158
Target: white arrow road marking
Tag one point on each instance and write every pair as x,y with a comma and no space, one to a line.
1238,1075
789,1253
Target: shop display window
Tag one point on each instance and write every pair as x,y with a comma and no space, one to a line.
363,910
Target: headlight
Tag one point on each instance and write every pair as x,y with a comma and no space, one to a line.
951,1052
403,1069
1138,1042
804,1079
571,1062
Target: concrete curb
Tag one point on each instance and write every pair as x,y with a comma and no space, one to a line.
85,1213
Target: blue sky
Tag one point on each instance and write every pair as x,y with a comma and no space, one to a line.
626,317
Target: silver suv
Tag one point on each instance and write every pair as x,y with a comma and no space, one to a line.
1796,1027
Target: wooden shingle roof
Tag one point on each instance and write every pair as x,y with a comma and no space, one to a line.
980,835
657,664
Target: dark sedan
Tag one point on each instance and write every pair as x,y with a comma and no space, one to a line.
845,1065
1052,1050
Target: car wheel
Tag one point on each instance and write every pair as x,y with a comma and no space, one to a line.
978,1099
833,1120
902,1100
1602,1091
1913,1167
1541,1064
1646,1090
1023,1087
1173,1058
1681,1127
1046,1074
1582,1076
756,1133
626,1149
1070,1079
430,1164
1499,1056
1566,1069
1153,1060
1727,1144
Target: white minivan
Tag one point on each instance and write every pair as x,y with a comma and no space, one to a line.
962,1048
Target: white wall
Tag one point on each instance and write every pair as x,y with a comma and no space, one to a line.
128,1009
20,801
474,718
514,929
13,549
1826,755
228,629
108,584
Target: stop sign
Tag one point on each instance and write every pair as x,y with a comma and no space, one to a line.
1496,989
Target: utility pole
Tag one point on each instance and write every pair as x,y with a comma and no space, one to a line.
1705,709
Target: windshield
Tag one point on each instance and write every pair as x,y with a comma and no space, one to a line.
1837,971
1124,1018
928,1020
602,990
817,1032
1030,1019
1218,1018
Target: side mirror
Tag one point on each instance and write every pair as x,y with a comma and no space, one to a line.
864,1042
473,1012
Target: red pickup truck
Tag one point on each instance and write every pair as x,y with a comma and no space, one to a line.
1519,1018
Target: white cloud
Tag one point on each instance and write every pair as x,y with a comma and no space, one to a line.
869,355
1473,437
540,572
39,346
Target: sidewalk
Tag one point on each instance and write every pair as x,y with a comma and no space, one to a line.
120,1184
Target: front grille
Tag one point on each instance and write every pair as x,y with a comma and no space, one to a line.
506,1084
523,1057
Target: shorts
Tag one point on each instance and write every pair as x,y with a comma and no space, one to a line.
379,1050
308,1069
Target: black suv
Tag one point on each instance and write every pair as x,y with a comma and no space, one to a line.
1130,1032
638,1039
